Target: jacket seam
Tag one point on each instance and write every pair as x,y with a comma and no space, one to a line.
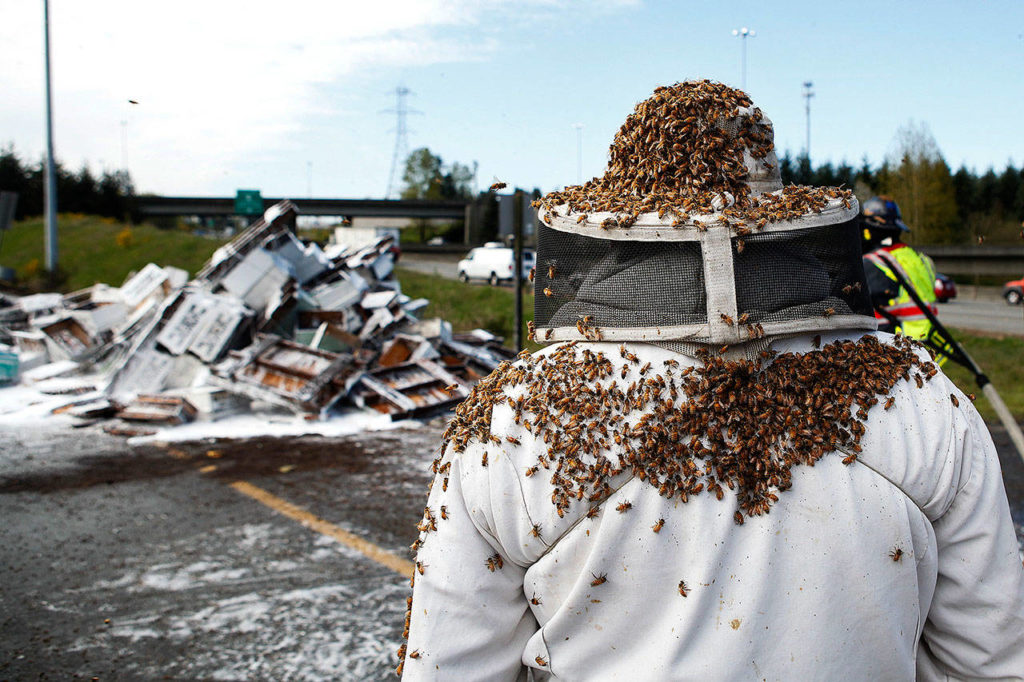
580,520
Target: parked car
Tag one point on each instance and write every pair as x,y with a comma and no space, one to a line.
494,263
945,288
1013,291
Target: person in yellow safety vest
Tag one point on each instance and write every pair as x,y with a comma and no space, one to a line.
885,252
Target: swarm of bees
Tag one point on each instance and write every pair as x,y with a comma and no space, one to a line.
680,152
740,424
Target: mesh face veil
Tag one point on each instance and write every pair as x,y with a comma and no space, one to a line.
690,237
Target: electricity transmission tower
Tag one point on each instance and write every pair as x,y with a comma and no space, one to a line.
398,157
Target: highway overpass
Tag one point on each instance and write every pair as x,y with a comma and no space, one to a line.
206,207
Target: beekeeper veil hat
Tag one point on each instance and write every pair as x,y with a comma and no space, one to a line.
690,238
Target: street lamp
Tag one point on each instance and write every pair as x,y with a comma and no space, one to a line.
124,133
50,181
808,94
579,152
743,33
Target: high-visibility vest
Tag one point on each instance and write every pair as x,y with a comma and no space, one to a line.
920,273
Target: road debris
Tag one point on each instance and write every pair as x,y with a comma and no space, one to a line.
267,318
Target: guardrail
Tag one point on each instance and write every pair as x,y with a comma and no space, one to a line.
967,261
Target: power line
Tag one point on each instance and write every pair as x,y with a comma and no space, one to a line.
401,151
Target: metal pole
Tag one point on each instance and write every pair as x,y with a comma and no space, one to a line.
808,94
50,182
743,81
579,152
743,33
517,230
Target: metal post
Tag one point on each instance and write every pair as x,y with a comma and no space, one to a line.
579,152
808,94
744,33
517,230
50,181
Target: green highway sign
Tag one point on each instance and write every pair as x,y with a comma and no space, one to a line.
248,202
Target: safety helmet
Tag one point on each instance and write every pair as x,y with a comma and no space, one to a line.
882,213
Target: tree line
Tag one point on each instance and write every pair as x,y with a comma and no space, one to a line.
109,194
940,206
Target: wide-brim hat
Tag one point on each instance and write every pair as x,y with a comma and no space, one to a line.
690,208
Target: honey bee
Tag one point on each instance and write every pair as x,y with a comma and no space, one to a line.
742,319
444,512
531,471
551,271
889,401
540,661
535,531
420,566
848,289
829,312
533,273
548,292
920,383
514,441
548,333
415,654
896,554
728,320
850,459
483,459
658,526
599,579
740,246
451,389
956,403
683,589
624,507
498,185
738,517
593,512
971,397
581,218
535,600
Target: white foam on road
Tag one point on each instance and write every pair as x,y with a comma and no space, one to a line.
277,425
244,607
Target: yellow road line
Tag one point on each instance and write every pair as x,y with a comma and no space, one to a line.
313,522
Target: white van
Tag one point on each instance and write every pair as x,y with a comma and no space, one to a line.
494,263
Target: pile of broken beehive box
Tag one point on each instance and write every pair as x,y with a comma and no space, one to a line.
267,319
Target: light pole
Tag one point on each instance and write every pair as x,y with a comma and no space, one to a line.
124,133
743,33
579,152
808,94
50,182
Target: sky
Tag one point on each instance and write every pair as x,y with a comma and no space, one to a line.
293,98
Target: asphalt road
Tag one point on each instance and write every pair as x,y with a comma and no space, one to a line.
984,312
983,315
121,563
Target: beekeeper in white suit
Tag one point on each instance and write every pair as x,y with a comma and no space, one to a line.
717,469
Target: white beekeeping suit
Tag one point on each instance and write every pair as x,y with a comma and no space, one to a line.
719,471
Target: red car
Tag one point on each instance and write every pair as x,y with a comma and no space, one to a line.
1013,291
945,288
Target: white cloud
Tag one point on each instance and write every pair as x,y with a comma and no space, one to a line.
215,81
